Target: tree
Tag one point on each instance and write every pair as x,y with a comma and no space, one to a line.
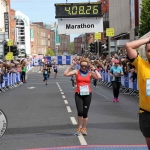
50,52
144,26
72,51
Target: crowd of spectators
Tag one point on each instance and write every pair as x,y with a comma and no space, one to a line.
106,62
17,66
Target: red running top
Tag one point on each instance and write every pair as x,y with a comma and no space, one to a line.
81,80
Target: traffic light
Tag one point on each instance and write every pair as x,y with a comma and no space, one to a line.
92,48
6,48
14,50
103,47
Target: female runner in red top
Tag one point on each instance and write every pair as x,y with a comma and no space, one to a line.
83,92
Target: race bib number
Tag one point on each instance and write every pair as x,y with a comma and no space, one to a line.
84,90
147,87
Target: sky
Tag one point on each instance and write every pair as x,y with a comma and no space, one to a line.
42,10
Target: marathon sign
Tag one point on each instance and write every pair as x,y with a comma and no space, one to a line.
6,21
80,25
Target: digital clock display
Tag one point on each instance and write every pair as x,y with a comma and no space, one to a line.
77,10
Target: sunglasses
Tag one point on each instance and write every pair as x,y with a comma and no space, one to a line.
116,63
84,66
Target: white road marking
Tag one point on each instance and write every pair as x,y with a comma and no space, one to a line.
31,87
62,92
66,102
101,94
73,120
82,140
68,109
63,96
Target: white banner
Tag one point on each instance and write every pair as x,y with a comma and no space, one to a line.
80,25
63,60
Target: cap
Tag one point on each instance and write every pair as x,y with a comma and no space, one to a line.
116,61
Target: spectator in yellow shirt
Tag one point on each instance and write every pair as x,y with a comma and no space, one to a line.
143,75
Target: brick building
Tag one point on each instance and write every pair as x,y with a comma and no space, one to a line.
64,46
52,40
39,44
13,26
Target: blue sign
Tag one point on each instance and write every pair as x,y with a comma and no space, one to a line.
59,60
135,84
48,58
6,79
126,81
68,60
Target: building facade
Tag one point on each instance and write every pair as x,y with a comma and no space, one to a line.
52,40
64,47
13,26
39,38
78,44
4,24
23,32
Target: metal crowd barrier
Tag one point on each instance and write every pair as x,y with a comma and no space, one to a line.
11,80
127,86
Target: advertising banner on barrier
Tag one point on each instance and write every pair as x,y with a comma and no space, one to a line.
6,79
64,60
130,81
68,60
126,81
59,60
135,84
48,58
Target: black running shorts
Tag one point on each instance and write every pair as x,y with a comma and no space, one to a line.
144,122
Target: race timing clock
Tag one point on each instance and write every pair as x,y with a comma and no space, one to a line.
77,10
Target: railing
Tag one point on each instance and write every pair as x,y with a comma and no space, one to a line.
127,86
11,80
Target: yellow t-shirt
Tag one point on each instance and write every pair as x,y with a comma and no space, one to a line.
143,73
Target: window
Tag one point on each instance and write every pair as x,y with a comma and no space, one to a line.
13,31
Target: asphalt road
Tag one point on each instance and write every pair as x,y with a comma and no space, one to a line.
41,116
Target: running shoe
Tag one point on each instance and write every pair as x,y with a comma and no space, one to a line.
114,100
117,100
78,132
83,131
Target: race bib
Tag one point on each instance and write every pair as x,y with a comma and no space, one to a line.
147,87
45,72
84,90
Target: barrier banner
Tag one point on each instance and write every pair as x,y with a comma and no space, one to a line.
59,60
68,60
106,76
122,81
10,81
130,81
135,84
48,58
17,79
126,81
6,79
3,84
35,61
13,78
64,60
103,75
